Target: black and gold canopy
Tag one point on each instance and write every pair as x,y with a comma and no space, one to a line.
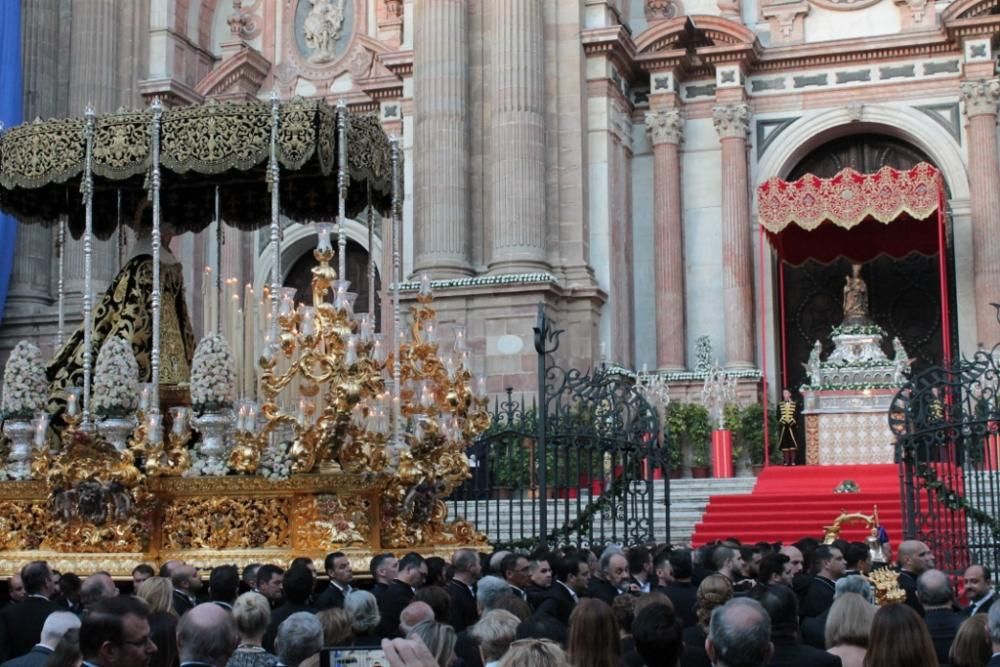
201,147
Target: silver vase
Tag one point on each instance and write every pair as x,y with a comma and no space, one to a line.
214,448
116,430
21,434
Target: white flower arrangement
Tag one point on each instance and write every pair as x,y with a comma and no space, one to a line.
213,375
116,379
25,389
274,462
204,467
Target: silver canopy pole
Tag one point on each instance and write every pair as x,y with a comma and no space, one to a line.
275,221
88,231
154,363
342,189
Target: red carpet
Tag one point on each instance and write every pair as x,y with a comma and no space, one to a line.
791,503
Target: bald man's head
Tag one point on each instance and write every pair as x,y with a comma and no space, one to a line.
207,633
795,559
915,557
934,590
413,615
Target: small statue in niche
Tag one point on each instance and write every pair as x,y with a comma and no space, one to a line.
322,29
855,299
812,366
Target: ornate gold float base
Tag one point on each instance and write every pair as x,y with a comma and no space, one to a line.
209,521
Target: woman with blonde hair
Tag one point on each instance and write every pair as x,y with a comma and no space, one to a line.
899,637
535,653
252,613
337,630
714,591
971,647
439,638
158,594
848,626
594,639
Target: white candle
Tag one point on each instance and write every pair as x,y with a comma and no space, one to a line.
206,301
71,405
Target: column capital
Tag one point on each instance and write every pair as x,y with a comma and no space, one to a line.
980,97
731,120
665,127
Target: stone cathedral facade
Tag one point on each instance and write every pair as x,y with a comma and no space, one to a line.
598,156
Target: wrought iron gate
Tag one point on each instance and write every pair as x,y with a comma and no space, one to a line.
947,421
582,464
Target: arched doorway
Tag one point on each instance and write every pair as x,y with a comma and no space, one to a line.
904,293
300,277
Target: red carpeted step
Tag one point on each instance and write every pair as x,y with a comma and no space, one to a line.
794,502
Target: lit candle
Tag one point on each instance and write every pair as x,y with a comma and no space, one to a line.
378,349
480,387
459,337
351,354
430,335
71,408
153,425
323,230
144,398
41,426
425,284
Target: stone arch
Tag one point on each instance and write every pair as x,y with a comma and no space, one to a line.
302,238
663,34
695,30
966,9
911,125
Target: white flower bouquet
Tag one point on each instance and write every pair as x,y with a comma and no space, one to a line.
116,380
213,375
274,462
25,389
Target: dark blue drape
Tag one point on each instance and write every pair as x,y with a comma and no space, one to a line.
11,99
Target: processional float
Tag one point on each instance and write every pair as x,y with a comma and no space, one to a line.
350,439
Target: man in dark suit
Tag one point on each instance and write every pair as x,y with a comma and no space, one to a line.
830,566
681,591
979,589
411,575
914,559
516,571
813,628
740,631
23,622
206,636
15,589
116,633
224,585
338,568
937,597
383,568
186,583
540,578
269,583
781,605
462,589
56,625
640,569
612,574
297,584
572,575
858,558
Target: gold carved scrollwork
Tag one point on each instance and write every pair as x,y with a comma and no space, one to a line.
328,521
215,137
30,526
812,439
39,153
225,523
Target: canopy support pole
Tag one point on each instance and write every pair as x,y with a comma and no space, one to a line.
943,280
275,220
154,359
88,260
763,344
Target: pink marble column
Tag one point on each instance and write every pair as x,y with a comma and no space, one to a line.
984,174
518,135
665,129
731,122
441,144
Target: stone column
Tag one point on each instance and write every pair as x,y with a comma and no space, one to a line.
518,133
665,129
732,122
93,75
981,99
30,280
441,142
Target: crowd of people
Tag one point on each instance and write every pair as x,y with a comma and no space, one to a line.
722,605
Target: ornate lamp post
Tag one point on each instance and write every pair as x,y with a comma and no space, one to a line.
718,392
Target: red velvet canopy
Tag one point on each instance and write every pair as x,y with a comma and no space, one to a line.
856,216
853,215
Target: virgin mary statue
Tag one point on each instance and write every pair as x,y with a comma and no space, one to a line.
125,309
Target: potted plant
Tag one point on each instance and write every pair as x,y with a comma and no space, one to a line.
676,461
700,460
698,428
